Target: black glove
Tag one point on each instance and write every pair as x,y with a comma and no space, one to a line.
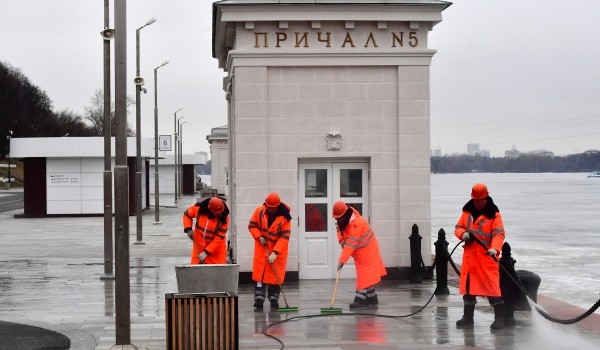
340,265
190,233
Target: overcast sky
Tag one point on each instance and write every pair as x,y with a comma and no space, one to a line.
507,72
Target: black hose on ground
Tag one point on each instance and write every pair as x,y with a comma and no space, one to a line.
449,259
546,315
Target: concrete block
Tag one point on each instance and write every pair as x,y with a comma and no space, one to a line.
207,278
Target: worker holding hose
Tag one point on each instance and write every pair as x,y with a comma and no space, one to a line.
479,275
358,241
270,227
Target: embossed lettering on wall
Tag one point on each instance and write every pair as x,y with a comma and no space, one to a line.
324,40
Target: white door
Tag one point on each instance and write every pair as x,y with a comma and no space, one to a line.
321,185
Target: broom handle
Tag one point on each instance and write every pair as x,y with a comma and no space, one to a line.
337,280
279,282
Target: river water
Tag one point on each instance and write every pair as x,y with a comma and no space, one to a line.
552,223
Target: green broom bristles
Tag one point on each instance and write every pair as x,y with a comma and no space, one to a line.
288,309
331,310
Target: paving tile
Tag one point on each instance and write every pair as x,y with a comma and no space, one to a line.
51,269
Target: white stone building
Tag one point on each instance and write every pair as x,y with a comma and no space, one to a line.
219,156
329,100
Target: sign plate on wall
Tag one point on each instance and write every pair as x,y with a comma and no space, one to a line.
164,142
63,179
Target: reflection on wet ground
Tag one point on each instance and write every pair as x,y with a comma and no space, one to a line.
51,269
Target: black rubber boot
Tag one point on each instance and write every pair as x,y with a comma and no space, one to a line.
358,303
372,301
498,317
509,315
258,305
467,320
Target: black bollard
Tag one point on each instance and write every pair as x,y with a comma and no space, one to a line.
441,266
511,292
416,271
508,287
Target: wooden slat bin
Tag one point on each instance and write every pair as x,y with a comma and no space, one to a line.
202,321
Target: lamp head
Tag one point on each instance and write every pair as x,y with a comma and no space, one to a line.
150,21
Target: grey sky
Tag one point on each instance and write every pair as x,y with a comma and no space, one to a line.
516,72
507,72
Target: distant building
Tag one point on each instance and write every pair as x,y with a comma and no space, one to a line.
483,153
64,175
185,173
542,152
437,152
512,153
472,148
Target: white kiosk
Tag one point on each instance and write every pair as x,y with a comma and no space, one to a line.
329,100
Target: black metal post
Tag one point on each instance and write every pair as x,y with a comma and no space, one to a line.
415,256
441,266
8,154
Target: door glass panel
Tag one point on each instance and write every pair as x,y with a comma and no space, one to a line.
315,183
351,183
314,217
357,206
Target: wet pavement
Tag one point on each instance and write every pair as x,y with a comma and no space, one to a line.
51,273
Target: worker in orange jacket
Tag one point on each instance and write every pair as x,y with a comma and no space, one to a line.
270,227
480,274
209,233
358,241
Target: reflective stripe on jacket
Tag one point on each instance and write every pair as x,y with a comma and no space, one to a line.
481,269
359,242
278,238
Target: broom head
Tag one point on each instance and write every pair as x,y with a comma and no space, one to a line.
331,310
288,309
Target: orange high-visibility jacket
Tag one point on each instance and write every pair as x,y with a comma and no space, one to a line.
481,269
209,233
278,238
359,242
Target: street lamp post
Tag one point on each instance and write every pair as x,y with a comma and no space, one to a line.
181,159
107,34
175,157
156,190
8,136
139,82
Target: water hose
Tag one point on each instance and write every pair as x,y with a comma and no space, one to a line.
524,290
448,258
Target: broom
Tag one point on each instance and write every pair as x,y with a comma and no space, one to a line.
287,308
331,309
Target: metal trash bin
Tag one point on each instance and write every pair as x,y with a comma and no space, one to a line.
202,321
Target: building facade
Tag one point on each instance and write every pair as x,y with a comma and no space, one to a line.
219,157
329,101
65,175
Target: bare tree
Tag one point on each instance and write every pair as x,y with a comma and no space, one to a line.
94,113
